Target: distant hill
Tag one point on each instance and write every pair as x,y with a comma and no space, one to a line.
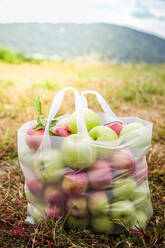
68,41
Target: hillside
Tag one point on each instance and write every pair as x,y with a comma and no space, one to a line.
68,41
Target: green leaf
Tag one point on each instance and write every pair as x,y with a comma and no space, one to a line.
53,123
58,115
37,105
44,122
39,120
52,133
39,126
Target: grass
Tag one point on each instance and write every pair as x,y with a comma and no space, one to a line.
8,56
130,90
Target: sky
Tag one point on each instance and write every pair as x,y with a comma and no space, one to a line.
145,15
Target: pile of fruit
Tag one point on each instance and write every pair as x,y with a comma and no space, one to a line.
93,183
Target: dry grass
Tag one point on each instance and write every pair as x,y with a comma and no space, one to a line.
130,90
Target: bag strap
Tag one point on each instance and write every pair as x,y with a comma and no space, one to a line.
109,115
81,126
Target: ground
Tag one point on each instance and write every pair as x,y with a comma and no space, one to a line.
131,90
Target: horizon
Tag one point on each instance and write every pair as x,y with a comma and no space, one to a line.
88,23
145,16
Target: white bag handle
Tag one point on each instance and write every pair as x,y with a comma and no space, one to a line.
109,115
84,101
81,126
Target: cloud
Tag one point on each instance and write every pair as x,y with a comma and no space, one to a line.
143,13
152,10
112,5
105,6
136,8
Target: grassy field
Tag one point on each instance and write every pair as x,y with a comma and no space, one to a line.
137,90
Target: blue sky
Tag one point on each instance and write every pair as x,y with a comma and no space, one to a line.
145,15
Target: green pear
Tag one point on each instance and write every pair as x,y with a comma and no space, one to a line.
78,151
102,224
49,166
90,117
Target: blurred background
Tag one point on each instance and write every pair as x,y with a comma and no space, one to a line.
122,31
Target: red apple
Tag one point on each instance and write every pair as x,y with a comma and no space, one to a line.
75,183
64,123
116,126
123,160
141,172
100,175
77,206
34,137
34,185
61,131
53,212
53,196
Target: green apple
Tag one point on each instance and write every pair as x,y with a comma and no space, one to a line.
123,211
77,207
90,117
37,213
98,203
136,132
102,224
78,151
102,133
26,157
49,166
73,222
141,219
140,196
124,188
130,127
